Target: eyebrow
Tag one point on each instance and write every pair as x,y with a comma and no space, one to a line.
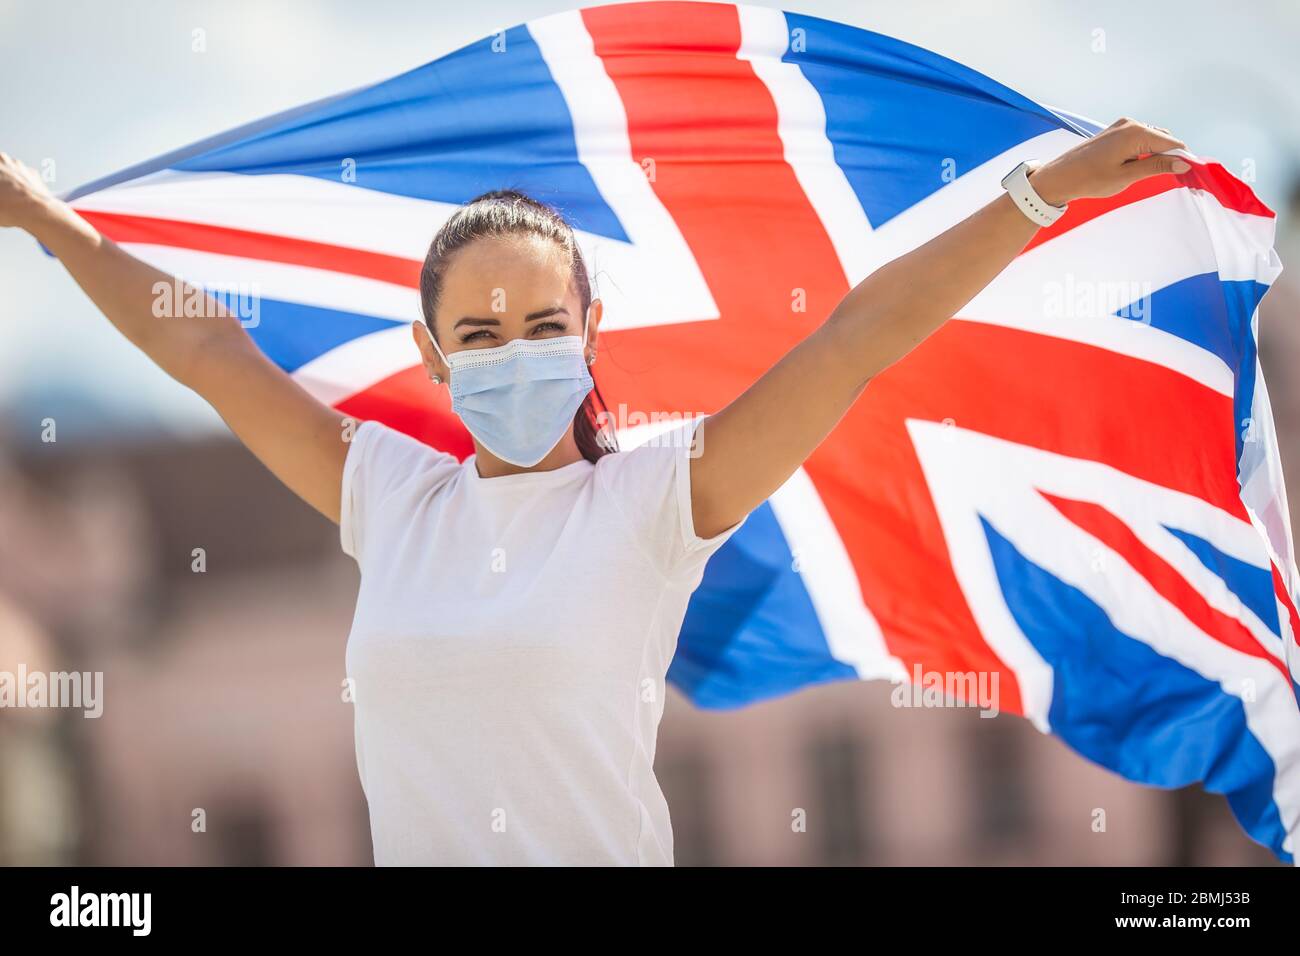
530,317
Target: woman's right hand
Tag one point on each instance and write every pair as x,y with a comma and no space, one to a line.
23,194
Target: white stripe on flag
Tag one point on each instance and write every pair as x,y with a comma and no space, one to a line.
280,204
852,634
851,630
801,124
321,288
637,294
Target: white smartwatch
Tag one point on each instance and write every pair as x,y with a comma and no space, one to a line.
1026,198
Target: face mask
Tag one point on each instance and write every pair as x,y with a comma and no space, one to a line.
519,399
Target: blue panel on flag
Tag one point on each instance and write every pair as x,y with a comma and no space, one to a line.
904,121
1216,315
291,335
447,131
751,631
1118,702
1253,586
469,122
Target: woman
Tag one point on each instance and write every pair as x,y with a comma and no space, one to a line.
517,612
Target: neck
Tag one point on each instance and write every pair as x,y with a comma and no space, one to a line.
490,466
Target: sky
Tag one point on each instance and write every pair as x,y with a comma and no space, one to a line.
87,88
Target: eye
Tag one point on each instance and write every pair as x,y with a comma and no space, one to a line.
548,327
479,336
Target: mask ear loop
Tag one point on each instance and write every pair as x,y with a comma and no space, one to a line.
586,322
434,343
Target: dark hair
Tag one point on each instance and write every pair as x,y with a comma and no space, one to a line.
507,212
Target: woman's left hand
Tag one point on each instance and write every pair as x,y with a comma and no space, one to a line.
1108,163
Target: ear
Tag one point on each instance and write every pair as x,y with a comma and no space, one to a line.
429,358
593,327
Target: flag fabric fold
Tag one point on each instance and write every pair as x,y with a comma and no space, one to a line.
1074,485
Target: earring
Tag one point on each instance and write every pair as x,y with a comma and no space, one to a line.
436,379
591,359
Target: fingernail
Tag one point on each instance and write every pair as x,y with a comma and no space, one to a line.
1180,166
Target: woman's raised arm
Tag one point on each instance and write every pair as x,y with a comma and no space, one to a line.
752,446
299,439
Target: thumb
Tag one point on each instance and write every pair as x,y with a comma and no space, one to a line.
1154,165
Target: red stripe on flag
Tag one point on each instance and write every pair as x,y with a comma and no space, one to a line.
1288,606
1163,577
1035,390
764,252
761,247
225,241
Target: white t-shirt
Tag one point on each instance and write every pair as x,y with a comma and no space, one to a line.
509,649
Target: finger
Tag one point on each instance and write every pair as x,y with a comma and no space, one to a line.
1140,169
1162,141
1157,140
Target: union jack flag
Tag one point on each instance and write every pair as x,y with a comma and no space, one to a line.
1074,485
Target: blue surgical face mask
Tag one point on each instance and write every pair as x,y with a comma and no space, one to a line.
518,399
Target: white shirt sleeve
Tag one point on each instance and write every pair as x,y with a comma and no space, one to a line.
385,472
651,488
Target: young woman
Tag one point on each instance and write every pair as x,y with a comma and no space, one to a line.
518,611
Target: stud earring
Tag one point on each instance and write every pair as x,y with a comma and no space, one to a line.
436,379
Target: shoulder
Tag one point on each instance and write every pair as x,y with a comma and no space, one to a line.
386,469
375,441
655,463
650,488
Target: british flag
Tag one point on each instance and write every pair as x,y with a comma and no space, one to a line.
1074,485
